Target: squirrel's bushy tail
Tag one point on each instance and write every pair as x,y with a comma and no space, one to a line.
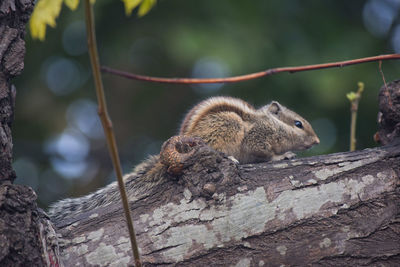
70,206
141,180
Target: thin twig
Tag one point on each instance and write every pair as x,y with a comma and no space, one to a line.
354,100
384,82
107,125
248,76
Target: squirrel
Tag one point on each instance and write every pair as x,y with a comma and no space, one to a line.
233,126
228,125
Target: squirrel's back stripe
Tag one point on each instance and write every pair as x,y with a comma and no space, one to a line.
214,105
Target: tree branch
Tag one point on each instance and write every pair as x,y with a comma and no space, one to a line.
107,125
310,211
247,76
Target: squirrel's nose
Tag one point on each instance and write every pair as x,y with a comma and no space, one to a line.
316,141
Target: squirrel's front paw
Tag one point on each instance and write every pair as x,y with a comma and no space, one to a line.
176,150
232,158
287,155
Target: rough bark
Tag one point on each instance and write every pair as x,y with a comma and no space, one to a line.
27,237
333,210
13,17
389,113
23,227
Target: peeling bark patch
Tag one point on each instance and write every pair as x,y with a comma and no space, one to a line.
242,188
232,224
177,213
247,244
312,181
105,255
94,215
124,244
282,250
346,228
123,239
280,165
82,249
295,183
310,200
326,243
96,235
79,250
187,194
143,218
325,173
79,239
243,262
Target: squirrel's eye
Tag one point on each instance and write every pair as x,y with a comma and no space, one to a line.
298,124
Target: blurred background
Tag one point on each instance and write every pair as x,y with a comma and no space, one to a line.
59,146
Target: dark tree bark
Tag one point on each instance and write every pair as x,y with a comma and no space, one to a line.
13,17
389,113
22,226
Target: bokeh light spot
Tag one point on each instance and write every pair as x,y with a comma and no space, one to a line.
396,39
62,75
82,114
68,153
378,16
67,168
74,38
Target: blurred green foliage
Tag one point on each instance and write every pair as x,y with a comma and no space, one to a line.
47,11
58,148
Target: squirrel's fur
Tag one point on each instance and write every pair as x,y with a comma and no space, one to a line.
227,124
233,126
138,183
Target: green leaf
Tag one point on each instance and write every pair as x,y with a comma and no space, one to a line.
45,13
130,5
145,7
360,87
351,96
72,4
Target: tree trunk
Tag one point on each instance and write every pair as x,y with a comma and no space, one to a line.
23,226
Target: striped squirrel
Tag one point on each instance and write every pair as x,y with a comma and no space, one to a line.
228,125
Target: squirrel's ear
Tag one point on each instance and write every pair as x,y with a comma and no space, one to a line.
274,107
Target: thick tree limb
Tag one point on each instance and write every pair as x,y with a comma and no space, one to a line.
327,210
